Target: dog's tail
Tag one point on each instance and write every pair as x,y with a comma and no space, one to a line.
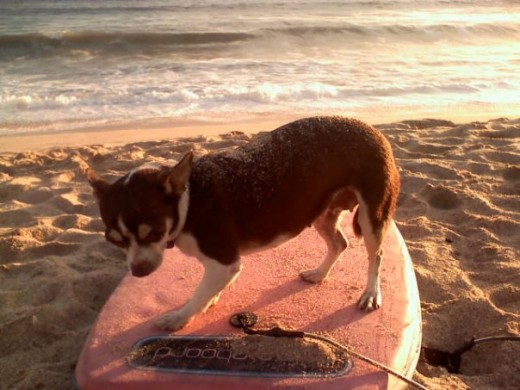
355,223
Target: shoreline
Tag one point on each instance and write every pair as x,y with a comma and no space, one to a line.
124,133
153,129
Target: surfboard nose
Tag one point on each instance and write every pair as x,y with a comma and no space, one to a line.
143,268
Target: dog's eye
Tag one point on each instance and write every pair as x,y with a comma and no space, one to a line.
116,238
154,236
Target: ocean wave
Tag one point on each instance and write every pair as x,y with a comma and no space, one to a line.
502,31
110,42
80,40
99,8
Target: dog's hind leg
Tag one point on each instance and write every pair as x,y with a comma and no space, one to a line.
327,225
371,299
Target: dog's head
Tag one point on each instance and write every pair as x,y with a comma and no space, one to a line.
144,211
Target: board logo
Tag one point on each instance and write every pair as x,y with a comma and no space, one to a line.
253,356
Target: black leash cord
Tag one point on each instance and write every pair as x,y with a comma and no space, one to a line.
475,341
388,370
246,320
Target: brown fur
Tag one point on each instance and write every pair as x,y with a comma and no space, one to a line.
304,173
250,196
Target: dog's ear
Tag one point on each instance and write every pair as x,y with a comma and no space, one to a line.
178,176
99,185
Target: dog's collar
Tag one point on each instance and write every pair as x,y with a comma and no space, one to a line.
183,206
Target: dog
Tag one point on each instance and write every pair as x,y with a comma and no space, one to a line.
222,206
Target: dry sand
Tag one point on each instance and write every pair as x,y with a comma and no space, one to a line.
459,212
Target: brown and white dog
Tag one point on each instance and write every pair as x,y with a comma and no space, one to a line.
222,206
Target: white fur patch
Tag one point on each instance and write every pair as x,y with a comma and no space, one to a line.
168,187
371,298
188,245
149,165
115,235
182,207
216,277
123,227
278,240
143,230
151,253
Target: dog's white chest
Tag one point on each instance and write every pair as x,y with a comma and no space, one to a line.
187,244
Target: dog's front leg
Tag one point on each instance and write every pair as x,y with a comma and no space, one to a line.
216,277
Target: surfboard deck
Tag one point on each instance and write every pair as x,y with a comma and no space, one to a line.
270,287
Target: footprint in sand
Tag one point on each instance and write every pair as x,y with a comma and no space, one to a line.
69,221
69,203
76,236
7,193
53,249
93,289
511,174
66,221
505,297
16,218
38,195
440,197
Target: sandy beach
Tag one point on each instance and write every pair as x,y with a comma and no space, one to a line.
459,212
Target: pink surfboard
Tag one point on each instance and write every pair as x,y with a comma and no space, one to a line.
269,286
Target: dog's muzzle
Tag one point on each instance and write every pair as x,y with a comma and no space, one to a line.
142,269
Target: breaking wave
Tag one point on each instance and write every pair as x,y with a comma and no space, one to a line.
78,39
109,42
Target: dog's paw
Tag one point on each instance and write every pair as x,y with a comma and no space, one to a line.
173,321
370,301
315,275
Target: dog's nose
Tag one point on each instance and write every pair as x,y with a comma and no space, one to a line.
142,269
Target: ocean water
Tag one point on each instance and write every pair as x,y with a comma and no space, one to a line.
66,64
